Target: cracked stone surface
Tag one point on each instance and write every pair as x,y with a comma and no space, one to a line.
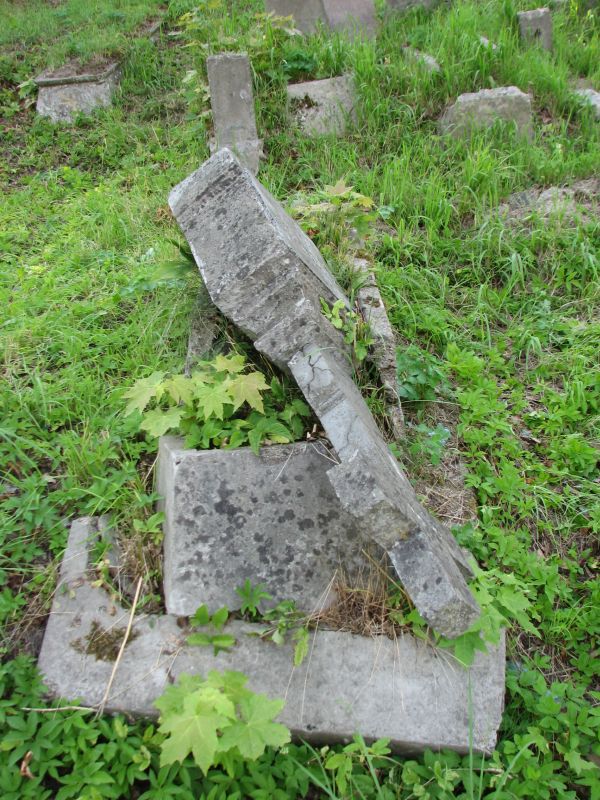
265,274
536,26
404,690
273,519
478,110
370,484
232,105
353,17
322,107
61,96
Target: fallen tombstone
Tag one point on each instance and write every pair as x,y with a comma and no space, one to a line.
578,203
427,61
403,689
536,26
590,97
354,17
479,110
266,275
70,90
322,107
232,104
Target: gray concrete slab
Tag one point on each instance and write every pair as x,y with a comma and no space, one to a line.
323,107
479,110
273,519
232,104
352,17
403,689
590,97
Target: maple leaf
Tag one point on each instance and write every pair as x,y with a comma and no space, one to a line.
212,398
257,730
143,391
247,389
339,190
230,364
180,389
157,422
194,729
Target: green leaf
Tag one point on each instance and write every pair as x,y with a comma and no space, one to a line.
194,731
220,617
157,422
180,389
301,648
257,730
247,389
211,399
143,391
202,616
199,640
222,641
230,364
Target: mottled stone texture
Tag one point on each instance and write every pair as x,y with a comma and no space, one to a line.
355,17
322,107
61,96
260,268
404,690
274,519
232,104
536,26
266,275
478,110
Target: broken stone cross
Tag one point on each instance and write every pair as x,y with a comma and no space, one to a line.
232,104
266,275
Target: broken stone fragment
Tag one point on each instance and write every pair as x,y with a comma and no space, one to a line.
479,110
426,61
353,17
265,274
232,104
322,107
63,93
590,97
536,26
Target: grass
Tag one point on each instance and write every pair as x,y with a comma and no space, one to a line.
508,314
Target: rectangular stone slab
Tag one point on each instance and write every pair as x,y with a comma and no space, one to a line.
233,516
404,690
232,105
353,17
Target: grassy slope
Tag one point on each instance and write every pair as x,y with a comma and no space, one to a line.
510,316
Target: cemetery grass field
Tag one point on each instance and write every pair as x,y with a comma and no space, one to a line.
498,322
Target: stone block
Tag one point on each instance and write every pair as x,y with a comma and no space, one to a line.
274,519
353,17
426,61
405,690
536,26
232,104
371,486
407,5
487,44
479,110
260,268
590,97
66,92
323,107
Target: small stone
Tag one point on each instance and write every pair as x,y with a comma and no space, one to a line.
536,26
591,98
232,104
479,110
66,92
323,107
486,43
427,61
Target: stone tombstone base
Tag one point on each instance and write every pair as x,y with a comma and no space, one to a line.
536,26
474,111
64,93
404,690
232,516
